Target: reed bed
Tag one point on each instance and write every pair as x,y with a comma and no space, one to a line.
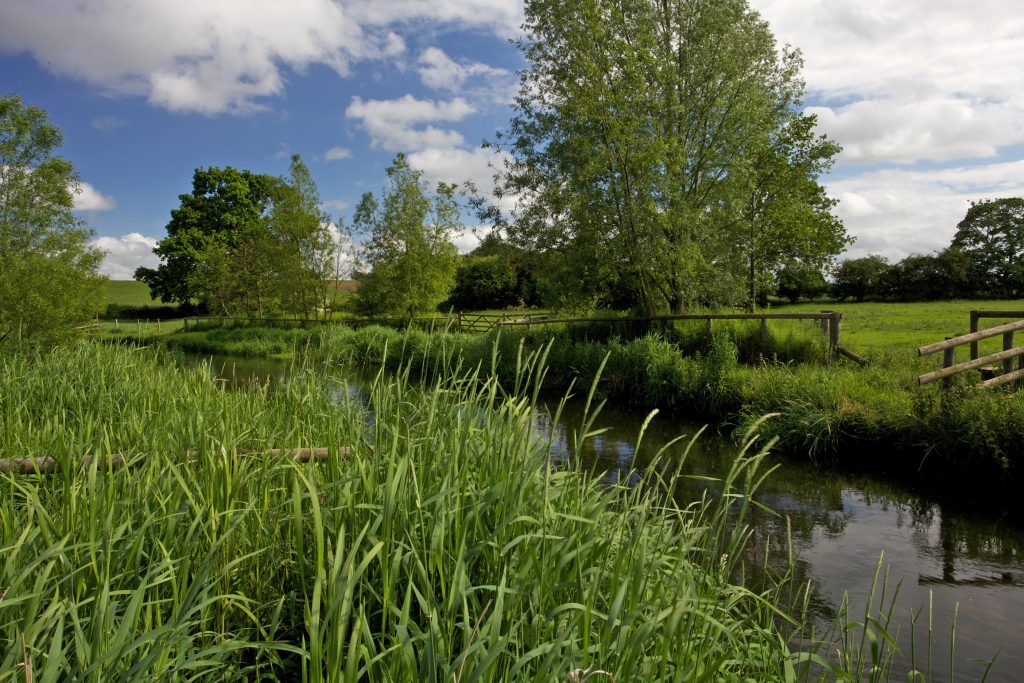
437,542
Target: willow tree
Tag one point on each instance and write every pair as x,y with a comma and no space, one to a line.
633,135
408,244
49,269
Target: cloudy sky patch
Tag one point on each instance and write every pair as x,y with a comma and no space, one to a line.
926,97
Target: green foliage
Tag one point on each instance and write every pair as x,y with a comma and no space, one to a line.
991,235
923,277
861,278
224,207
244,244
483,282
650,139
49,279
800,280
442,548
409,244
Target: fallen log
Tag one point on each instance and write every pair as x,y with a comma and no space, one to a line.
45,465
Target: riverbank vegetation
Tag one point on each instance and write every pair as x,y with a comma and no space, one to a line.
873,418
436,541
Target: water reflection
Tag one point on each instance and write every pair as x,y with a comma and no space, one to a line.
840,525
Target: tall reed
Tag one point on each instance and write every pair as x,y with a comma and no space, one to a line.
442,545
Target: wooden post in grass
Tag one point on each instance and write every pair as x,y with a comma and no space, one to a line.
948,358
974,328
158,324
764,335
115,323
834,322
1007,345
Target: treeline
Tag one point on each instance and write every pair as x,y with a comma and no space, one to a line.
984,260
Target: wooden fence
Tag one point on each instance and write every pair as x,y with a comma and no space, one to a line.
477,323
830,322
951,368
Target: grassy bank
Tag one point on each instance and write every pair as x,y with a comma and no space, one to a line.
439,547
873,418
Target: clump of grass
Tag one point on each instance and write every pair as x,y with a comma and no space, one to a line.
443,547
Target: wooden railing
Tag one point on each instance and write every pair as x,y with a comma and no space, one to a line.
950,367
830,321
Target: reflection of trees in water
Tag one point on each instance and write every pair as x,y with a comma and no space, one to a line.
803,503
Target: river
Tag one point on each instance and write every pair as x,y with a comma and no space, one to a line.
841,525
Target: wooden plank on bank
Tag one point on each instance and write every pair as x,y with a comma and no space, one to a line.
967,338
970,365
46,465
1002,379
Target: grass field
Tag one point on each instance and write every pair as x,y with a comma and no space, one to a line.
894,328
130,293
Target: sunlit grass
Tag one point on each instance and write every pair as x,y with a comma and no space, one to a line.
442,546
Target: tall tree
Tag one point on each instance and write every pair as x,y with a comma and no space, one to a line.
49,271
633,136
306,249
991,235
409,243
786,216
225,204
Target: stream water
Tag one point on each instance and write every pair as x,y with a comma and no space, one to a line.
841,525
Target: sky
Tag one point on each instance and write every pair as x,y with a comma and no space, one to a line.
925,96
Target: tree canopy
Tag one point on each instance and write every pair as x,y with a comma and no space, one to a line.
991,235
244,243
409,243
662,141
224,205
49,277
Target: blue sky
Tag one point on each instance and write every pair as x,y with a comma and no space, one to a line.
926,96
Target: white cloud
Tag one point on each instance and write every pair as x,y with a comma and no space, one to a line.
940,129
107,123
337,153
894,212
502,17
336,204
397,125
202,56
125,254
88,198
917,80
439,71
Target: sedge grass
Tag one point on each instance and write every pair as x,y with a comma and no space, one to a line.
446,547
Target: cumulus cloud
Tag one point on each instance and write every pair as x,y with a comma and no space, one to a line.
895,211
337,153
126,253
88,198
399,124
190,55
502,17
439,71
917,80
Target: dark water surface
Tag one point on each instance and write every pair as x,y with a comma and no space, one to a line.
971,566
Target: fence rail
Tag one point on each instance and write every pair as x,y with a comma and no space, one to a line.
951,368
830,322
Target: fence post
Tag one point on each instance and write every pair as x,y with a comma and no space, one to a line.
115,323
835,319
974,328
158,324
948,358
1007,345
764,335
460,321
